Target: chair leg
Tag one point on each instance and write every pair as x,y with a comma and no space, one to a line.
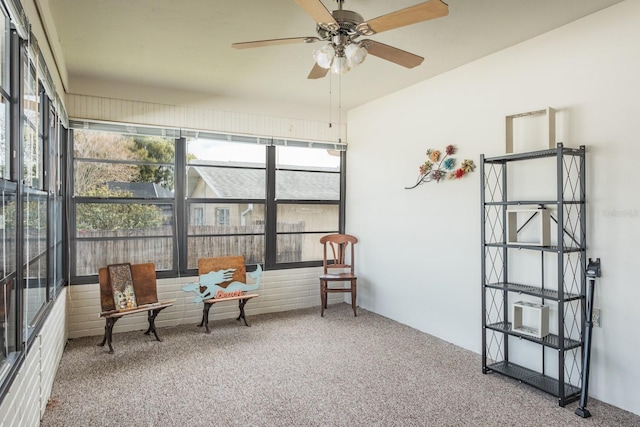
323,297
353,298
326,295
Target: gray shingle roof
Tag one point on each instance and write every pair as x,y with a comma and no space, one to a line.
237,180
141,189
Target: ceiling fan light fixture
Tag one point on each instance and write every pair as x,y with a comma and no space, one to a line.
324,56
341,28
340,65
355,54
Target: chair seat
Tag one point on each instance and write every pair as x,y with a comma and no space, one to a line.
338,276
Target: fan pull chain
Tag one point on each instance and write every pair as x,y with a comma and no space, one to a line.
339,108
330,103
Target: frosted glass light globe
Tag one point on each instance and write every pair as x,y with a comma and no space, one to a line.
355,54
324,56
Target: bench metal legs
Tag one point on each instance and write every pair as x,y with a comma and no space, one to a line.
205,317
151,317
110,321
207,306
108,333
241,304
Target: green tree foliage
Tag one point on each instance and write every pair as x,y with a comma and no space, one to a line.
157,150
98,216
34,215
88,144
92,177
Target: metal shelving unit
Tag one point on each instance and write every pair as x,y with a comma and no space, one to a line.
554,366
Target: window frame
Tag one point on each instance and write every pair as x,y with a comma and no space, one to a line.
274,202
26,322
79,200
222,216
183,204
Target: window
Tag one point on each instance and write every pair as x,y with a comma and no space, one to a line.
307,201
198,216
5,152
32,139
7,277
32,197
174,200
226,180
222,216
34,200
56,136
8,216
5,149
35,254
124,205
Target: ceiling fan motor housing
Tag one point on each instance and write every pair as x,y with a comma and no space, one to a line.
347,22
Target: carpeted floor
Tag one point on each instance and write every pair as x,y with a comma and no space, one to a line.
297,369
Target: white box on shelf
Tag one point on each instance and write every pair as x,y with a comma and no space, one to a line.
538,314
550,125
541,218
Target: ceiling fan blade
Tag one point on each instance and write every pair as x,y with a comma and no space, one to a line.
393,54
317,72
274,42
411,15
319,13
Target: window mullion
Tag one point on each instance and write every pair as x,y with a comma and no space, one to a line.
180,238
271,208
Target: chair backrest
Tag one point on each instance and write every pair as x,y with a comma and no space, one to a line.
144,285
336,248
207,265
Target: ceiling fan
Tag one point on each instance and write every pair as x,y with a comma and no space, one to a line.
341,30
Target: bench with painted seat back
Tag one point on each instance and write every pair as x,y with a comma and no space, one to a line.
223,279
145,298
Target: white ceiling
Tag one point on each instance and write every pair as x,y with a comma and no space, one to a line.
186,44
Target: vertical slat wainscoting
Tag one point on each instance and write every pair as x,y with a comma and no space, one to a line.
53,338
147,113
26,400
281,290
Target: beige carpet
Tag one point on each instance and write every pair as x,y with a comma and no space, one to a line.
297,369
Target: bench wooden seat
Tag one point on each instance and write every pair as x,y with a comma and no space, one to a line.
145,288
207,265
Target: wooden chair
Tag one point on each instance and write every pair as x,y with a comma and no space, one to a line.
336,247
144,285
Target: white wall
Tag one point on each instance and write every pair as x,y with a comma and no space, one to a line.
420,257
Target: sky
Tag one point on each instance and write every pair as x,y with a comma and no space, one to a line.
206,149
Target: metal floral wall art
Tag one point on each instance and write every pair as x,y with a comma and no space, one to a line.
440,167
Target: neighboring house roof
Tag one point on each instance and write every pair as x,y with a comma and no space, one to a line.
141,189
238,181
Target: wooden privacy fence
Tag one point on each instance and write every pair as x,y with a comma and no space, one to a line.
98,248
